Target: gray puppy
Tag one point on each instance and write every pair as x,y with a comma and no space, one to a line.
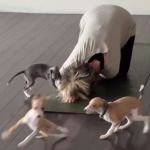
35,71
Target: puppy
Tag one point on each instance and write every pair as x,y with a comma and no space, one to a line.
75,83
114,112
33,72
37,122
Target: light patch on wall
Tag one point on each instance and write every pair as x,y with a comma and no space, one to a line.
70,6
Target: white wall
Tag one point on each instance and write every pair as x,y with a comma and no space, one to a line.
70,6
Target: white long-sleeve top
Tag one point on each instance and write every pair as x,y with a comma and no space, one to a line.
104,29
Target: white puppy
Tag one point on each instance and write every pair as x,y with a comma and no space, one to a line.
37,122
114,112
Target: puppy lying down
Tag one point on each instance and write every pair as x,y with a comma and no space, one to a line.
114,112
37,122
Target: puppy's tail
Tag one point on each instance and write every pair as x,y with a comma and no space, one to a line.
62,129
15,76
142,87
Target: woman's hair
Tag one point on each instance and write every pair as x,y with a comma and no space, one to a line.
76,82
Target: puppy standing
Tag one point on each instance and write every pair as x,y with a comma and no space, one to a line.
36,121
114,112
35,71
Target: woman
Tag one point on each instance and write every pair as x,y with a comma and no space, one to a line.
105,42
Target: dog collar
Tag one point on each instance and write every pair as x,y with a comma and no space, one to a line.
105,107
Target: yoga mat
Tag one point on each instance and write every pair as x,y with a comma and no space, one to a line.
111,89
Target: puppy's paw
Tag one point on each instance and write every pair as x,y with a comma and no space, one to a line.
63,129
62,135
21,144
39,137
121,127
146,126
102,137
116,130
5,135
145,130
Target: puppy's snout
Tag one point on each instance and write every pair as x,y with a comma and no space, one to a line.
87,110
55,75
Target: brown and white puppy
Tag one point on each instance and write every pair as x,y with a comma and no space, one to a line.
37,122
114,112
75,83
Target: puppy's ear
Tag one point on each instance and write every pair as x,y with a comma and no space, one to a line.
99,102
96,105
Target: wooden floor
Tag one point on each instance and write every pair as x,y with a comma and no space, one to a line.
34,38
